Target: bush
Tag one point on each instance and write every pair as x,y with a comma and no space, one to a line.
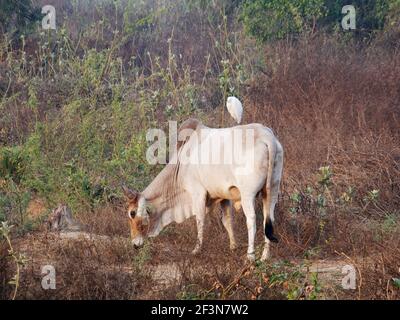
276,19
12,162
17,16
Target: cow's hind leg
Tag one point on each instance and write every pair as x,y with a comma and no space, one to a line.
269,199
268,211
227,221
250,213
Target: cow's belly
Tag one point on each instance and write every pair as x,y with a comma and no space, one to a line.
225,194
219,182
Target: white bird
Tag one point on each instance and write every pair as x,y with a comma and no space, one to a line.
235,108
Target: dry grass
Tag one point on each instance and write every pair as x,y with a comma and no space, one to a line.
329,105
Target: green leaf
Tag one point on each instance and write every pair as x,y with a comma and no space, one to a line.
396,282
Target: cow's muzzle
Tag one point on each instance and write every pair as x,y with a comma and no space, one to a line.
138,241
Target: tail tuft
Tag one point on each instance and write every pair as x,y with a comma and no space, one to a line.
269,231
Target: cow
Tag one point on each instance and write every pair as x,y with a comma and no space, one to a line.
186,188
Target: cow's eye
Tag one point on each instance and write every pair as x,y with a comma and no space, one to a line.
132,213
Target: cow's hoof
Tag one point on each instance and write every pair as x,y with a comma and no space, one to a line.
265,255
196,250
251,257
233,246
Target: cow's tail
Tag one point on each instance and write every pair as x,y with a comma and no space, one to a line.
269,229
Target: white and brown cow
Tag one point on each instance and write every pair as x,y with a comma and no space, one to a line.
187,187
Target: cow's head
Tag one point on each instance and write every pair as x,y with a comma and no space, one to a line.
138,217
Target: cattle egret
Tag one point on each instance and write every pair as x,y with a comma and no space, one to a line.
235,108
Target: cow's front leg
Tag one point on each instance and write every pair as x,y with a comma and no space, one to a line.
199,210
227,221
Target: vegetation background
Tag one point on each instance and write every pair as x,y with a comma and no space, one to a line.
76,102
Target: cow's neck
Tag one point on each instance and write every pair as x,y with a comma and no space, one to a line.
160,215
166,202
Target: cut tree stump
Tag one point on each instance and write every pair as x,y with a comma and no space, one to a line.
61,220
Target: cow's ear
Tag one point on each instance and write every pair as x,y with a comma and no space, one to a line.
131,195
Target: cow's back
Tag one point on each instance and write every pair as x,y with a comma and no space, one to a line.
217,172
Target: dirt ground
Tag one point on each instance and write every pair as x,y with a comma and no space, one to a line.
91,265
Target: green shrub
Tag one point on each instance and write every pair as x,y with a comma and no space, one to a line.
12,162
276,19
17,16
